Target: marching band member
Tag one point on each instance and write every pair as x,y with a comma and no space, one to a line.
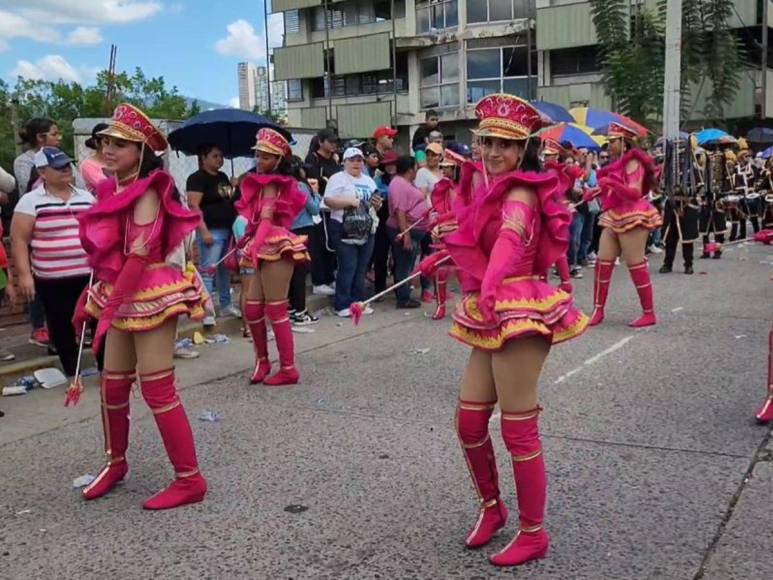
713,212
130,235
512,228
626,219
270,201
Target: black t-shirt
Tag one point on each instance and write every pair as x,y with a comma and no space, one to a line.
419,136
321,169
217,205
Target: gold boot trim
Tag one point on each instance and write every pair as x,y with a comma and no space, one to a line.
476,445
529,457
118,375
166,408
531,529
185,474
116,407
157,375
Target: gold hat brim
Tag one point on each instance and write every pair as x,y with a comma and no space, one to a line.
268,148
501,134
126,134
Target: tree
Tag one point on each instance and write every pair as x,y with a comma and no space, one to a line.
64,102
633,56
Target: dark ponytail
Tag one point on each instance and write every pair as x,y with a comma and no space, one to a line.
33,128
150,163
530,160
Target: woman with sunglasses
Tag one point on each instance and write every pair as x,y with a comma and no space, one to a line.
270,201
511,229
131,235
627,219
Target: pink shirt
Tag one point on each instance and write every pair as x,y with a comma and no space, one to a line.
403,196
91,171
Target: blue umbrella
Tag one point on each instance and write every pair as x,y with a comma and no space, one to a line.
714,137
552,113
767,154
564,133
760,135
232,130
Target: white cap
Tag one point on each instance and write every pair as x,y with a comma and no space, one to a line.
353,152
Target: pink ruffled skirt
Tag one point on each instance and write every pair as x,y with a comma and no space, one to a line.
525,306
625,217
280,244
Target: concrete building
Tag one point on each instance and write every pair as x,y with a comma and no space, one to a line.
570,72
261,89
450,53
247,73
447,54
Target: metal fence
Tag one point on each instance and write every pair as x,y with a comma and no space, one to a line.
178,164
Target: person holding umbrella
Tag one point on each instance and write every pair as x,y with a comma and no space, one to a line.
270,201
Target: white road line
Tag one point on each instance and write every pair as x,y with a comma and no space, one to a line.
678,309
594,359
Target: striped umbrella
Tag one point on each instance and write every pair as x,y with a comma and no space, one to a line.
552,113
598,119
576,135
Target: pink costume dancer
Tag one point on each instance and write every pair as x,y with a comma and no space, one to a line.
626,219
136,299
270,202
765,413
511,229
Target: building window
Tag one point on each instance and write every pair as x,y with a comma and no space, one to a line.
434,15
574,61
370,83
294,90
440,81
292,22
500,70
479,11
353,13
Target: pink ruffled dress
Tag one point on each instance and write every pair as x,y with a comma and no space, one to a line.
511,246
280,243
108,231
444,222
622,199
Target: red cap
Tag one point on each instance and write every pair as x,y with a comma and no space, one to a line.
384,132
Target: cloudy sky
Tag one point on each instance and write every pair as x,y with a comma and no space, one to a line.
194,44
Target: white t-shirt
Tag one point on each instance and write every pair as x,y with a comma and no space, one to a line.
344,185
425,180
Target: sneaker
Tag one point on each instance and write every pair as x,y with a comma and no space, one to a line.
231,310
303,319
410,303
6,355
655,249
575,273
209,321
345,313
185,352
39,337
689,270
323,290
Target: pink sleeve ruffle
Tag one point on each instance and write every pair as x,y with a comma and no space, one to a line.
102,228
441,195
288,203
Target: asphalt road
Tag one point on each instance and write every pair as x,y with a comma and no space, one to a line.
656,468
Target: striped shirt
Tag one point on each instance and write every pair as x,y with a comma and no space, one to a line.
56,246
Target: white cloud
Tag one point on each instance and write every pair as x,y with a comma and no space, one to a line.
242,42
15,26
84,35
53,67
234,103
87,11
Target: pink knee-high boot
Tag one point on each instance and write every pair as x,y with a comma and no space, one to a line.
116,388
280,322
601,281
189,486
441,293
640,276
520,432
562,265
765,413
472,427
255,317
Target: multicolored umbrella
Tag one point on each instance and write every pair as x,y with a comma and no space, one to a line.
552,113
576,135
714,137
597,119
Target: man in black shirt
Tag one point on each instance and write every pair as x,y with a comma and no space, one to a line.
422,133
210,190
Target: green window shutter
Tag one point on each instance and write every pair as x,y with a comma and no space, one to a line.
299,62
565,26
362,54
283,5
361,120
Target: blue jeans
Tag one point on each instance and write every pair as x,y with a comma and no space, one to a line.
575,237
586,238
404,260
208,256
353,264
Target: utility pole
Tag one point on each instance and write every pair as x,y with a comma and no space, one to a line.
763,107
672,87
268,56
394,65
